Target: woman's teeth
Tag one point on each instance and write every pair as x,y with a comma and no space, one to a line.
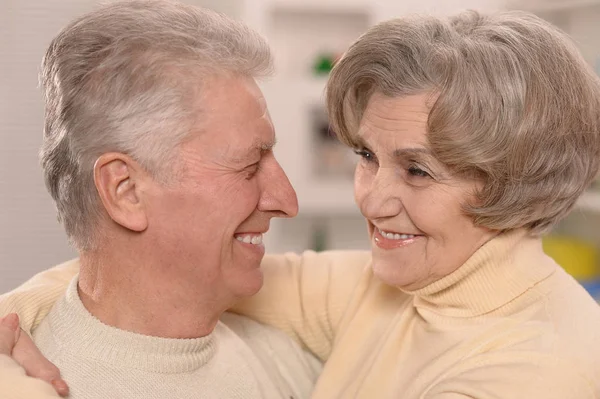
395,236
254,239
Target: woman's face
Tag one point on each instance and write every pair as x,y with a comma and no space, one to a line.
412,203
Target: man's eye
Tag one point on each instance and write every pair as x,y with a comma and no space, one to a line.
252,170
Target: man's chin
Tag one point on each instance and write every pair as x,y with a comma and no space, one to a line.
248,283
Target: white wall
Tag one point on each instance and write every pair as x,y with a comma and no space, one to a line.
584,27
30,237
391,9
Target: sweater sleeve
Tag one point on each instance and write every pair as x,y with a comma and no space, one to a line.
523,377
15,384
33,300
307,295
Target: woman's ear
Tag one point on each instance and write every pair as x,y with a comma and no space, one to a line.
118,179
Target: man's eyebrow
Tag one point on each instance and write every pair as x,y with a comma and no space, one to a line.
258,146
266,146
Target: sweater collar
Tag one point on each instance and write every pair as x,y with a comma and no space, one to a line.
498,272
76,329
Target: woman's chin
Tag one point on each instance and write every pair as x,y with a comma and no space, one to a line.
390,273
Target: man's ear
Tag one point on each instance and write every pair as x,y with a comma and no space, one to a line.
118,179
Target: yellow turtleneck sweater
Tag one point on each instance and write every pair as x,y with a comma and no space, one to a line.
508,324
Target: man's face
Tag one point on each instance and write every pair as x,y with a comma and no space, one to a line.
208,224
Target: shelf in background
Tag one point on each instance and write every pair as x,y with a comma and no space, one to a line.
338,198
590,202
327,196
549,6
322,6
301,32
306,89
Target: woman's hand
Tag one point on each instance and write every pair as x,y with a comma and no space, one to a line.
19,346
9,333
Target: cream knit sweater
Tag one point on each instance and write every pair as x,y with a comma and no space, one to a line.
240,359
508,324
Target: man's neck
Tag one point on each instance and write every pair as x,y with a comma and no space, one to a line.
146,298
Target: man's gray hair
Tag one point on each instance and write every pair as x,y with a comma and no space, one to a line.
127,78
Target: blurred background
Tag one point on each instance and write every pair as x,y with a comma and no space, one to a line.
307,36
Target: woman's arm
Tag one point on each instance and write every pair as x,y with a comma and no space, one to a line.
14,383
33,300
307,295
303,295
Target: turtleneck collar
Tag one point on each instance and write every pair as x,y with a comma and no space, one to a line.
500,271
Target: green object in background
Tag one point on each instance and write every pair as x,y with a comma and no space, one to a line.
320,239
324,64
577,257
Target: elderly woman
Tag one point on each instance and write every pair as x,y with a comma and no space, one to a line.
476,135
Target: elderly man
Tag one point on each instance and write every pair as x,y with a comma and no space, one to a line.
158,153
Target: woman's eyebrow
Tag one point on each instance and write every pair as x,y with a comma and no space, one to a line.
358,141
418,152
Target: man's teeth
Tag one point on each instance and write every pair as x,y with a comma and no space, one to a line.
395,236
253,239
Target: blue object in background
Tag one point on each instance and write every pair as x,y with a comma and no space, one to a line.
593,287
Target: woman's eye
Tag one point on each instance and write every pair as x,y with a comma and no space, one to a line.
417,172
365,154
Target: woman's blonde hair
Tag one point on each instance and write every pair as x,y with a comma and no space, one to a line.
515,104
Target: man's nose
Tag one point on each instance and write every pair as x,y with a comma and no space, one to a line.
277,196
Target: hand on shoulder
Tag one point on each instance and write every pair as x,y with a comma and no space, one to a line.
18,345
